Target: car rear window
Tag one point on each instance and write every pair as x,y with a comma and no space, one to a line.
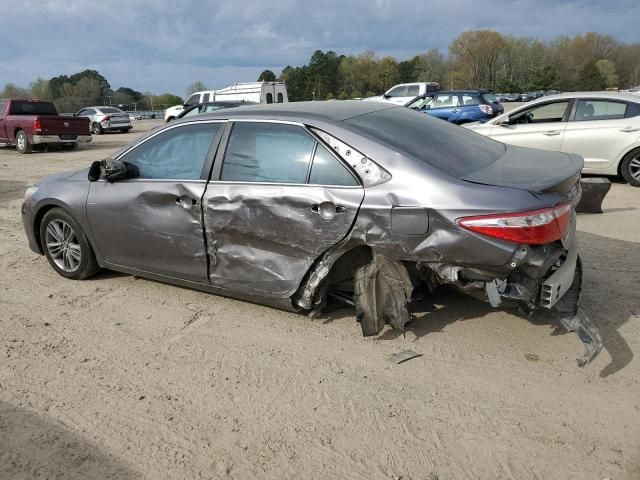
490,98
19,107
110,110
449,148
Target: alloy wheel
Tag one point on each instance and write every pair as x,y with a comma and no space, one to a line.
63,245
634,167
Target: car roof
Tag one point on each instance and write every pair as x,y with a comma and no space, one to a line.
606,95
331,111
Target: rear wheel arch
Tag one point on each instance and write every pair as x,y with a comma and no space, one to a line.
623,166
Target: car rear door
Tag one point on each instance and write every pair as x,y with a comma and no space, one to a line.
277,200
599,130
446,106
539,126
153,223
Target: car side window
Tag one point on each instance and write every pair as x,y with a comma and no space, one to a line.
444,101
176,154
205,98
267,152
549,112
469,100
328,170
587,110
193,99
397,92
413,91
633,110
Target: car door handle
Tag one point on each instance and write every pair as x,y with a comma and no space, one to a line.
186,202
552,133
327,210
629,129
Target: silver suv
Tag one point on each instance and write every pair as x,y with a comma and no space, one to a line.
106,119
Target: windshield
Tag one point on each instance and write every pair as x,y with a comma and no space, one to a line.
25,107
449,148
420,103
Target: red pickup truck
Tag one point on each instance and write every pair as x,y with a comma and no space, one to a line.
25,123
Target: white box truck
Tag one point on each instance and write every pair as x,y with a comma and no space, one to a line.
258,92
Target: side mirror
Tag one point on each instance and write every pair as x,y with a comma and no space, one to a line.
386,95
112,170
95,171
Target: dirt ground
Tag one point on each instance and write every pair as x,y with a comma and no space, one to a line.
120,377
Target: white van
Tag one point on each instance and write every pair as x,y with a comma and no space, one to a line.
402,93
258,92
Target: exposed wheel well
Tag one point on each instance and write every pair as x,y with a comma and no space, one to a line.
15,133
36,224
630,152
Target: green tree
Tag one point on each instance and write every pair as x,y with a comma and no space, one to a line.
40,89
607,70
590,78
13,91
267,76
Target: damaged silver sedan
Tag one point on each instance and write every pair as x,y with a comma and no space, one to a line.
287,205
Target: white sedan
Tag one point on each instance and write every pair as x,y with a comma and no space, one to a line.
602,127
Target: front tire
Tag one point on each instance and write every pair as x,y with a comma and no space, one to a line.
66,246
22,143
96,129
630,168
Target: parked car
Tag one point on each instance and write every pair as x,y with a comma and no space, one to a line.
458,106
25,123
512,97
602,127
287,204
256,92
106,119
528,96
405,92
209,107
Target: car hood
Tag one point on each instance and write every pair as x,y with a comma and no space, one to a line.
72,175
530,169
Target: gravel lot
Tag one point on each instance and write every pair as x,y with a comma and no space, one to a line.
120,377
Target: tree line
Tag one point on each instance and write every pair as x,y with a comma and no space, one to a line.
70,93
475,59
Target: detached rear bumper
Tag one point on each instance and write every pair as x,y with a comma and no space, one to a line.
39,139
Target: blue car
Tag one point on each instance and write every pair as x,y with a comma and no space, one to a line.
458,106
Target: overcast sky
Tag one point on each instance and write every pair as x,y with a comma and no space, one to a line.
164,45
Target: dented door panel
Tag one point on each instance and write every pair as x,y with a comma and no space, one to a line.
150,225
263,238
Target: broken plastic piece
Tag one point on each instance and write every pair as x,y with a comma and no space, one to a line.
382,293
573,318
403,356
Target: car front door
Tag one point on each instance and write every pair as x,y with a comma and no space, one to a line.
446,107
397,95
278,199
599,130
539,126
153,223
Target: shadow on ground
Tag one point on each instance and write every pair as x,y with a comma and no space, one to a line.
34,447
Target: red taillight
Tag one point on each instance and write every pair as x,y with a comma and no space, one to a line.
535,227
37,125
106,119
486,109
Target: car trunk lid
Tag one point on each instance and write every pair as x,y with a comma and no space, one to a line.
538,171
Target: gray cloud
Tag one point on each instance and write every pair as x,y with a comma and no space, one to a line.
164,45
